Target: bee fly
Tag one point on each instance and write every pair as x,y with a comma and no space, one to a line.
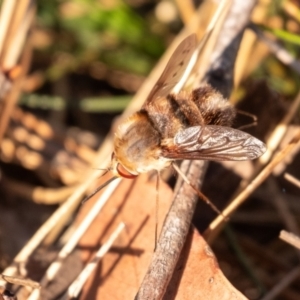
176,126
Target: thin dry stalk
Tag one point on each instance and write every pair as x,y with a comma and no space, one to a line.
272,143
280,131
292,179
186,10
291,9
209,39
283,55
102,160
10,60
264,253
217,224
20,281
283,284
242,67
6,12
77,285
13,96
39,194
22,18
76,236
282,207
290,238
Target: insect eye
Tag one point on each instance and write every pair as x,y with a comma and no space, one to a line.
124,173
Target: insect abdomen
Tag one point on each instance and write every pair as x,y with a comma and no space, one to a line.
214,109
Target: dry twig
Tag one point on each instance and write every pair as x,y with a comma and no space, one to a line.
211,232
290,238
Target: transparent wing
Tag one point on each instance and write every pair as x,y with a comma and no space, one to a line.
174,69
212,142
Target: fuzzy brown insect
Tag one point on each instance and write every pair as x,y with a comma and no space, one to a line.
174,126
179,126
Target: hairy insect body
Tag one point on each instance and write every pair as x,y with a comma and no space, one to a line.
133,151
180,125
215,110
176,125
141,139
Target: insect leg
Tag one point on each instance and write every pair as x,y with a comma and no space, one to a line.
156,209
252,116
201,195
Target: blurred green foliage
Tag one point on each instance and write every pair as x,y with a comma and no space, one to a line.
113,104
87,31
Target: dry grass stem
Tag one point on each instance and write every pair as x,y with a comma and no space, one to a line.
214,227
246,53
23,17
290,238
6,13
75,237
20,281
39,194
77,285
282,208
292,179
283,284
281,53
291,9
10,53
280,131
186,10
273,142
